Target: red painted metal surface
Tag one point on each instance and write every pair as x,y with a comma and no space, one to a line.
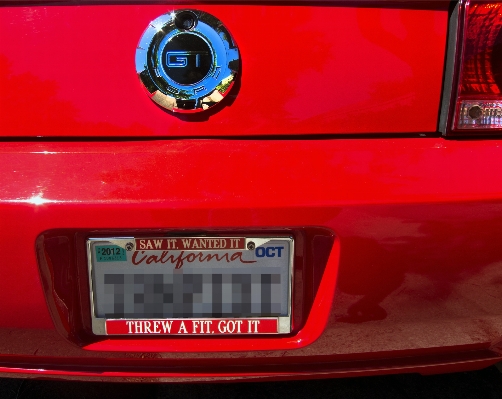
417,226
361,70
398,264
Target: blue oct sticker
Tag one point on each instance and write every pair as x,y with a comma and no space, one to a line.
110,253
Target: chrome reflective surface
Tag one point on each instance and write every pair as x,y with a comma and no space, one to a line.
187,61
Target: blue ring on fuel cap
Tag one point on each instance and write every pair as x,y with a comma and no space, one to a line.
187,61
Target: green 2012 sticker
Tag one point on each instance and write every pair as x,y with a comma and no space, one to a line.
110,253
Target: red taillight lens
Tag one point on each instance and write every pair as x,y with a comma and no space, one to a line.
479,100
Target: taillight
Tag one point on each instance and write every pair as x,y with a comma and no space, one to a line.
477,101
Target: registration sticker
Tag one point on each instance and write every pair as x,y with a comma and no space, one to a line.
110,253
190,285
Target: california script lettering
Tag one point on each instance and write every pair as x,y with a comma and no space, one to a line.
139,257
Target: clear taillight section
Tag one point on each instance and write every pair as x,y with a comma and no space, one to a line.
479,94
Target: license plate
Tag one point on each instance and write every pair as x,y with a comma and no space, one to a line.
190,285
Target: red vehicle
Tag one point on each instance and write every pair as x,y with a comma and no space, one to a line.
314,191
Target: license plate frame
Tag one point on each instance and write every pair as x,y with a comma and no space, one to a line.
265,254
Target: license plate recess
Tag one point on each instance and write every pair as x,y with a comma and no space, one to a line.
190,285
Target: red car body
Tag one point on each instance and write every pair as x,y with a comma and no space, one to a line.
330,135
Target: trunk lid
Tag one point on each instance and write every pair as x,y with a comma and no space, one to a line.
69,71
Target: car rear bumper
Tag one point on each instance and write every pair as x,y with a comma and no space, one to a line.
412,281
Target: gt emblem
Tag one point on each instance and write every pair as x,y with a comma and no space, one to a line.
187,61
179,59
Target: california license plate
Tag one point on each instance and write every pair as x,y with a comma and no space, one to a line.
190,285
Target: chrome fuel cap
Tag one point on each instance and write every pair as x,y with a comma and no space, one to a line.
187,61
